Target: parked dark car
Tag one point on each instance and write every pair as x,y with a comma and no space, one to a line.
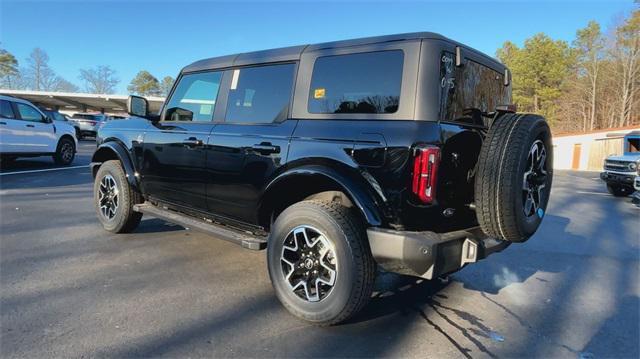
396,152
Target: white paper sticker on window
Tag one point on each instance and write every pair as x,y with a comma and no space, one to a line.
205,109
234,80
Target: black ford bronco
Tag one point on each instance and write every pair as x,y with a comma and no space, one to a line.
397,153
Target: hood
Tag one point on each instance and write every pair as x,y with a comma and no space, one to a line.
630,157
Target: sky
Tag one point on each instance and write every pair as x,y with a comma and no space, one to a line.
164,36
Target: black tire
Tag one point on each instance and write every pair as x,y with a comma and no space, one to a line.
123,219
619,191
510,199
354,264
65,152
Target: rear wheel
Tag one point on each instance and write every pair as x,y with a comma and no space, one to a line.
514,175
114,199
619,191
65,152
319,262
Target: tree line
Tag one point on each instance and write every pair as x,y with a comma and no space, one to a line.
588,84
591,83
37,75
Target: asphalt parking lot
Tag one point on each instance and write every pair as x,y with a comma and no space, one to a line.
70,289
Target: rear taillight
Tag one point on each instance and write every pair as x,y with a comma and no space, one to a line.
425,173
92,123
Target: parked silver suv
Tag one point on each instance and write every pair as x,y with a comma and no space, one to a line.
88,123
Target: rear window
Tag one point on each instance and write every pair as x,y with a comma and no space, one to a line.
357,83
470,89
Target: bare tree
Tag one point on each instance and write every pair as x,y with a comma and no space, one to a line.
63,85
38,72
101,79
589,45
626,54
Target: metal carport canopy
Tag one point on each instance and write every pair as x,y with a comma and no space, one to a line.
80,102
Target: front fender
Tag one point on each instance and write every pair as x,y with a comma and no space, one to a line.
359,191
115,150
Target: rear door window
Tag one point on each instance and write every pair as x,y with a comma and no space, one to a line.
194,99
368,82
468,90
260,94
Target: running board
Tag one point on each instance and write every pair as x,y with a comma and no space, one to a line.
246,240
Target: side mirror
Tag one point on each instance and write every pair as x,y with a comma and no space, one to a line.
48,119
137,106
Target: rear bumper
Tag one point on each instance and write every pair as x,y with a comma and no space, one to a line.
618,178
429,254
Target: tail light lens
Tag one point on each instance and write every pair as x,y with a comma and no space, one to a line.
92,123
425,173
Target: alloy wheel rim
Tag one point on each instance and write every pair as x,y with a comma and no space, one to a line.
108,197
309,263
534,179
67,152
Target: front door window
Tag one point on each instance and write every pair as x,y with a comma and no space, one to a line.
194,99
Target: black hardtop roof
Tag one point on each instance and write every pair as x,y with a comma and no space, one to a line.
293,53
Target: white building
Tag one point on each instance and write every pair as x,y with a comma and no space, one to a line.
586,151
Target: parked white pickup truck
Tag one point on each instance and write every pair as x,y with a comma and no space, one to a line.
27,132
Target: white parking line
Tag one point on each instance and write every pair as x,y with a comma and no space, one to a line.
45,170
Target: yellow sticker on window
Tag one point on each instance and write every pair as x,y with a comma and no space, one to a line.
318,93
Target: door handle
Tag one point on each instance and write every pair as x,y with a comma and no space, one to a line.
265,148
30,125
192,142
2,123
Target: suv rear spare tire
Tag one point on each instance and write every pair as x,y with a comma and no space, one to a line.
514,176
319,262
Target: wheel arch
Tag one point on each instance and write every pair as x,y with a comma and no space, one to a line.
66,135
113,150
316,181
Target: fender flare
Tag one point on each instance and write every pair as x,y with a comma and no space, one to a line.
359,191
106,151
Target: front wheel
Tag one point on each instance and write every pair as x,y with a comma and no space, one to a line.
114,199
319,262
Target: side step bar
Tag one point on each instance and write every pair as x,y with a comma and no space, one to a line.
246,240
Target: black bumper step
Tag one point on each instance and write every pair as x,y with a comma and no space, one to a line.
246,240
429,254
